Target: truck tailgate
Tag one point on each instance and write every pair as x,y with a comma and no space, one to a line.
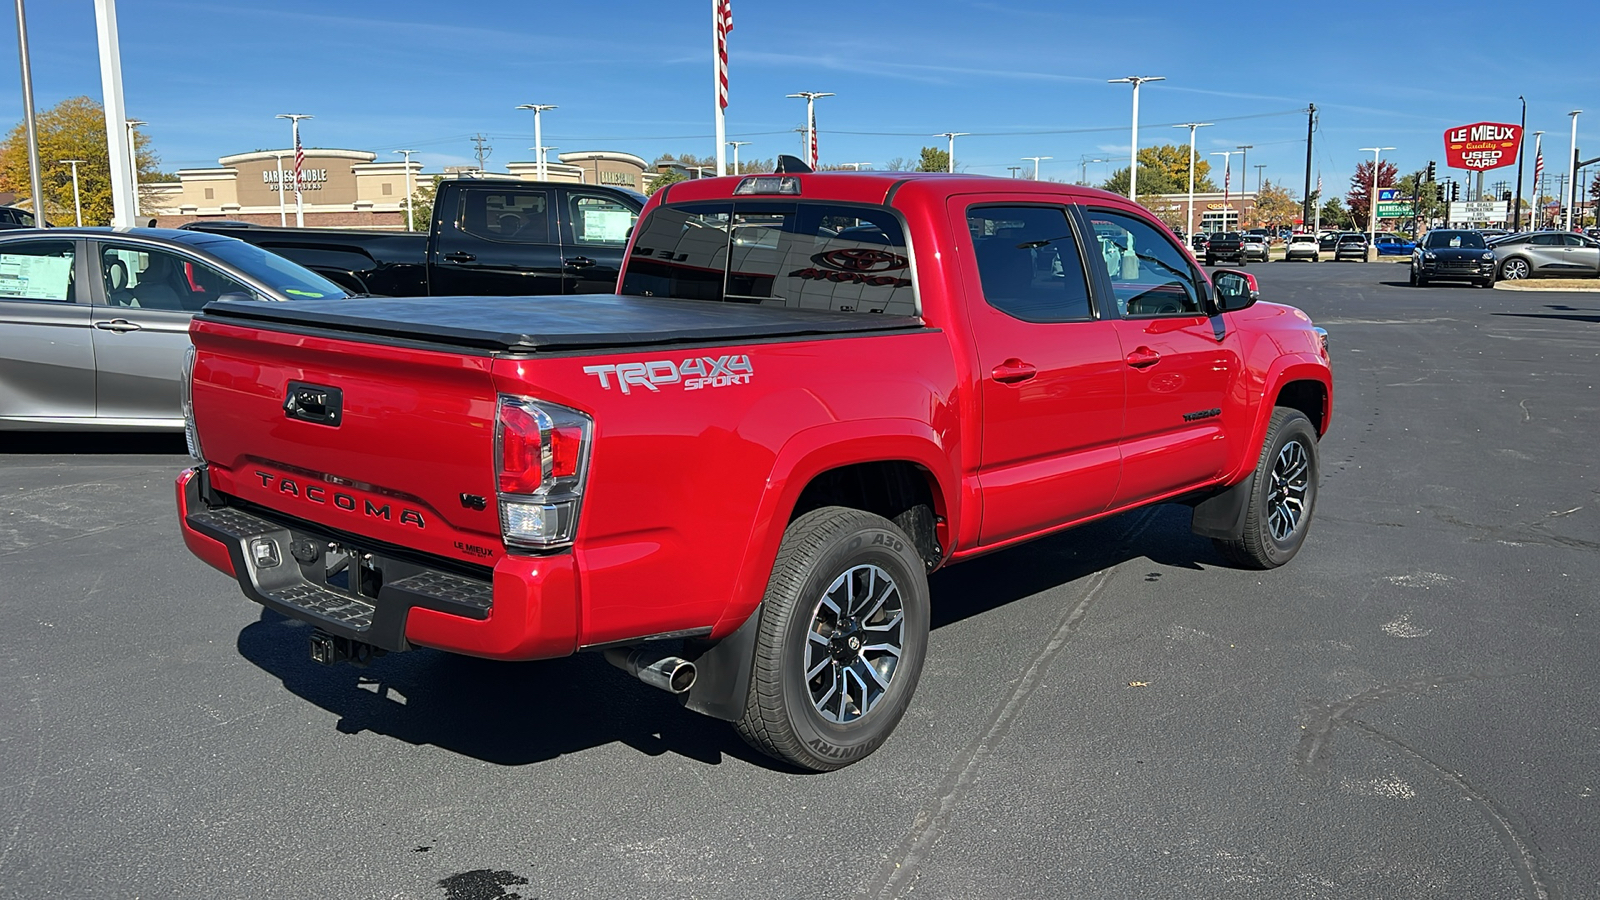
383,441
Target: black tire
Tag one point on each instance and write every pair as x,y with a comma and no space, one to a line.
1515,269
783,717
1272,495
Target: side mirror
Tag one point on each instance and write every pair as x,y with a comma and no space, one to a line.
1235,290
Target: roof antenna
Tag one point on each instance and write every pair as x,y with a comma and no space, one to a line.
790,165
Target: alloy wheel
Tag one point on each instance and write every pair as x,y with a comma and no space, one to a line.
854,643
1514,270
1286,493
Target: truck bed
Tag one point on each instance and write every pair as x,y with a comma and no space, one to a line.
554,323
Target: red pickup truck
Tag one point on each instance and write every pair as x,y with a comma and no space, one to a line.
734,476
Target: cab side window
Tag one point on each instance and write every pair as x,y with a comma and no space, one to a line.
1149,275
599,220
1028,262
521,217
37,270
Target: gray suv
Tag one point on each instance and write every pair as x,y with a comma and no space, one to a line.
1546,254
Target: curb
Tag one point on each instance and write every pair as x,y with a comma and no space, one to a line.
1587,285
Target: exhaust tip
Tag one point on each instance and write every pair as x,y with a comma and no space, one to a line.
672,674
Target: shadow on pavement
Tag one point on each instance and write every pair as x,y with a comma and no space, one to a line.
1591,319
520,713
77,443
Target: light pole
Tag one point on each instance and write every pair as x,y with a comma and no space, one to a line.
1244,168
283,211
811,98
1036,164
1372,201
1014,170
1133,165
1259,167
1083,168
950,162
1227,181
105,20
1572,167
77,205
1189,223
736,145
35,177
133,163
1522,147
294,128
410,226
538,134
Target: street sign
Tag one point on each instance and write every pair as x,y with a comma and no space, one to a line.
1484,145
1388,194
1393,210
1479,211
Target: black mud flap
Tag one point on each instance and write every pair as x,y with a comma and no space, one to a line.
1222,514
722,672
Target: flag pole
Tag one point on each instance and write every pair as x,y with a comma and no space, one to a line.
716,86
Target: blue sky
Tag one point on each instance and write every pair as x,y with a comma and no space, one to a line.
210,74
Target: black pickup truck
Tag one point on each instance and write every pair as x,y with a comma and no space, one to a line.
487,237
1225,245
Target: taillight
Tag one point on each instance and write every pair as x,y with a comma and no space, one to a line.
191,435
542,455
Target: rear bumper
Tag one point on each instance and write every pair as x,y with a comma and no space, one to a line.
526,608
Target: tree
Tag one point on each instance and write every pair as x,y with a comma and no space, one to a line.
662,180
1424,195
1359,200
1171,212
75,128
934,160
422,203
899,164
1164,169
1334,214
1275,206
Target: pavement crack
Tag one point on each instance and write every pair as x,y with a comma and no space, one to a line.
900,867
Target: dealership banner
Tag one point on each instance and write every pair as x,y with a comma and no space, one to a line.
1484,145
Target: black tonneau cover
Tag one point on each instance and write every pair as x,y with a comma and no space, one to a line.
580,322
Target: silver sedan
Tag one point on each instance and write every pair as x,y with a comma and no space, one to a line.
94,322
1546,254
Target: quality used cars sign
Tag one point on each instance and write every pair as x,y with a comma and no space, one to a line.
1485,145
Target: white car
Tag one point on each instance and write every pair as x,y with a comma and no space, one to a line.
1302,246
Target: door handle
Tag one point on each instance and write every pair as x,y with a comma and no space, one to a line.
118,325
1013,371
1143,358
460,257
578,262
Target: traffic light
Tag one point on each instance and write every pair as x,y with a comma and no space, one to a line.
1431,170
1506,196
1455,191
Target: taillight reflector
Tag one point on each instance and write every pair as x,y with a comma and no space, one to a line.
542,454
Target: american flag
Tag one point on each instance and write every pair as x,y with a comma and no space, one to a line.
299,159
724,24
813,129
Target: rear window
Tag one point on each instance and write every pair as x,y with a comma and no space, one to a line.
833,257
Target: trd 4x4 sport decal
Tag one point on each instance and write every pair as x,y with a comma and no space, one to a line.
693,373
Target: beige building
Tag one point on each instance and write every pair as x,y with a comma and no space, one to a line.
344,188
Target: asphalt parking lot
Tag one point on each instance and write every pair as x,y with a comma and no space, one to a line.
1406,710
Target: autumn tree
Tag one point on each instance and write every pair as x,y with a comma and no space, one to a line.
1359,200
1164,169
75,128
671,176
1275,206
422,203
1171,212
934,160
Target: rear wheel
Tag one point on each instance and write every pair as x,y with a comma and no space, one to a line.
1282,496
843,633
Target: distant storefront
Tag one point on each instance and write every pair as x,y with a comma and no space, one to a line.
344,188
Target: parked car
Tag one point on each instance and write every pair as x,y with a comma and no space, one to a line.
1391,244
489,476
486,237
1225,245
1255,246
12,218
1302,246
94,322
1329,241
1351,245
1198,243
1546,254
1451,254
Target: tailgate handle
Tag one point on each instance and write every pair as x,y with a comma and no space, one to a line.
314,403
